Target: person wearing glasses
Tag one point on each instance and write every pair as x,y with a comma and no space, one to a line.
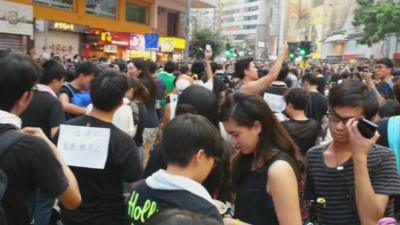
354,178
384,73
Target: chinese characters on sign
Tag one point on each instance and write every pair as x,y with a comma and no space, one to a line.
84,146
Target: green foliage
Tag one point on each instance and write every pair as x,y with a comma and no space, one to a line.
377,20
203,37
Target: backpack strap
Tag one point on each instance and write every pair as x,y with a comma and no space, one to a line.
69,89
7,139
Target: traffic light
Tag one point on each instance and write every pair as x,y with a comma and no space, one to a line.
293,46
304,48
229,51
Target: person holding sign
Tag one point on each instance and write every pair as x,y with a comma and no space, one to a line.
26,161
100,155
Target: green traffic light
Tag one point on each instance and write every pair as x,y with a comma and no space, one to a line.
302,52
291,55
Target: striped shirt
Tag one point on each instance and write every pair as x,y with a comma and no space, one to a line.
336,185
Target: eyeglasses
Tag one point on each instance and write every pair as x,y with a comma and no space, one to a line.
380,67
333,117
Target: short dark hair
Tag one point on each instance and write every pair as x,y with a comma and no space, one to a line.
183,69
215,66
170,66
201,101
311,79
181,217
241,65
185,135
386,61
389,108
152,67
86,68
18,74
354,94
198,68
283,73
298,97
123,67
52,70
396,90
107,89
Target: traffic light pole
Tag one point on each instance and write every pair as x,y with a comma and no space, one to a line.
187,29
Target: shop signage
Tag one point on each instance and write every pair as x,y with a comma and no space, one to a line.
137,42
151,41
106,37
16,18
121,39
168,44
56,25
110,48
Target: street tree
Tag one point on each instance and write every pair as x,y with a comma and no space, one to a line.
377,19
201,38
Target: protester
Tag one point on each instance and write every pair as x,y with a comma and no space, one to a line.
74,96
101,189
28,161
152,121
352,176
304,131
266,155
191,146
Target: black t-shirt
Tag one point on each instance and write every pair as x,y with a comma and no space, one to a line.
382,130
155,200
44,111
304,133
101,189
29,164
321,84
385,90
317,107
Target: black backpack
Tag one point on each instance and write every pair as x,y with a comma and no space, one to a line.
7,139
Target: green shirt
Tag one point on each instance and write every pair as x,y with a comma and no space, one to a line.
169,79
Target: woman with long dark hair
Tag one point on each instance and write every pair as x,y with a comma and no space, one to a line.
141,70
267,166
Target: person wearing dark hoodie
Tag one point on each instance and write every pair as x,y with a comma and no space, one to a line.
191,147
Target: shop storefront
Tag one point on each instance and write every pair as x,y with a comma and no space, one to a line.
396,58
171,48
16,26
107,44
62,39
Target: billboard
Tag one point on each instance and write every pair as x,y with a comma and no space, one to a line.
16,18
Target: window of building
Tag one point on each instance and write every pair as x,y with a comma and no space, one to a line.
247,18
317,2
106,8
249,27
61,4
172,25
137,13
253,8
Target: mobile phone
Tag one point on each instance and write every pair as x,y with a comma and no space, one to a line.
208,48
367,128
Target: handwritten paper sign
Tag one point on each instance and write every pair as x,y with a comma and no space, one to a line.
84,146
275,102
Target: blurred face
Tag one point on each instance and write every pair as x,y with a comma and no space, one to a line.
244,139
57,84
206,163
85,81
306,86
251,72
382,71
133,71
338,118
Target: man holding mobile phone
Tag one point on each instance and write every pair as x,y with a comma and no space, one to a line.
356,178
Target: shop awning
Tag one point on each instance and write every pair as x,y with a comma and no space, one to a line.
199,3
336,38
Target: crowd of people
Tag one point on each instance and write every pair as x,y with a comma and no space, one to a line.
245,142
